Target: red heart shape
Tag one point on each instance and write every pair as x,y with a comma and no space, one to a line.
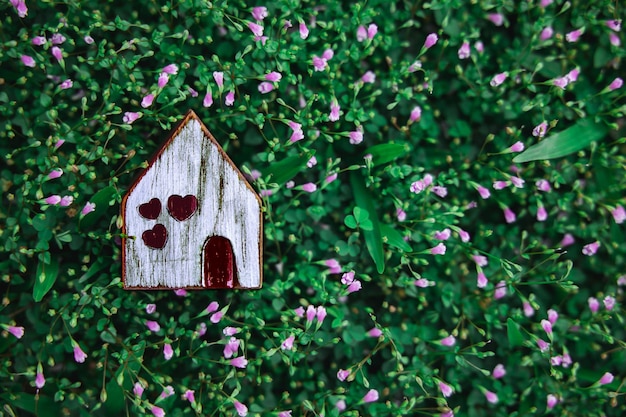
182,208
151,209
155,237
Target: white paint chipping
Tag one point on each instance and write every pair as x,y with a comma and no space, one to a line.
192,164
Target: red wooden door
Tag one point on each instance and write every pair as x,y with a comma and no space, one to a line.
218,260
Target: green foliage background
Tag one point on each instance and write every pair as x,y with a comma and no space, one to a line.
70,263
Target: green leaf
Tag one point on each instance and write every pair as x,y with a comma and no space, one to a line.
102,199
515,336
45,278
284,170
386,152
373,238
394,238
350,221
566,142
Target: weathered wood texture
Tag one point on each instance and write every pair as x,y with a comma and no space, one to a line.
190,192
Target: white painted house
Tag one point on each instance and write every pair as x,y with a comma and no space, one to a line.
191,220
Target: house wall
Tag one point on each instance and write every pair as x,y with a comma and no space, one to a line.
192,164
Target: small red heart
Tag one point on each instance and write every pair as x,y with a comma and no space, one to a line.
155,237
151,209
182,208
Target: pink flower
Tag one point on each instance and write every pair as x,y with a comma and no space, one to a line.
163,80
560,82
319,64
491,397
499,185
208,99
189,396
547,326
496,18
168,352
157,411
400,214
342,374
594,304
607,378
130,117
66,200
334,111
480,47
619,214
440,191
574,35
304,31
517,147
40,380
242,410
361,33
551,401
216,317
448,341
545,3
153,326
615,25
430,41
230,98
372,30
212,307
273,76
354,286
614,39
543,346
38,40
440,249
356,137
567,240
265,87
218,76
541,129
572,76
147,101
257,30
609,302
553,316
229,331
79,355
88,39
443,235
615,84
546,33
369,77
88,208
347,278
590,249
500,291
57,39
150,308
231,347
53,200
56,53
480,260
543,185
28,60
320,314
416,114
192,92
445,389
481,280
310,313
371,396
170,69
374,332
499,371
55,173
464,51
259,13
498,79
202,329
332,177
287,344
484,192
20,7
239,362
309,187
509,215
529,311
465,237
285,413
18,332
542,214
422,283
333,266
